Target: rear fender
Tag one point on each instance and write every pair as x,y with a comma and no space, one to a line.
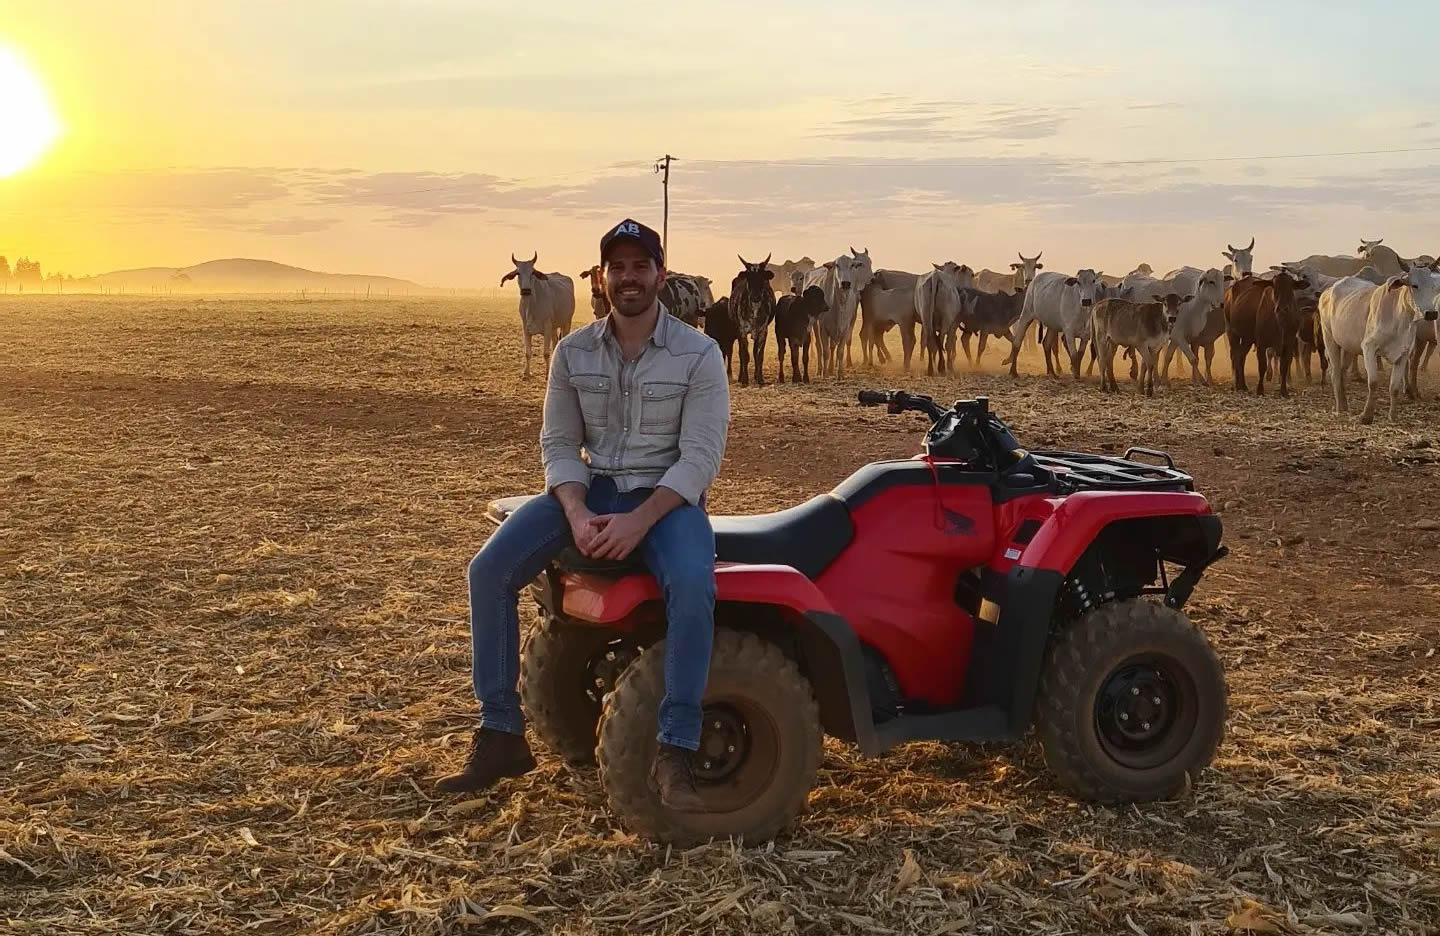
611,602
775,601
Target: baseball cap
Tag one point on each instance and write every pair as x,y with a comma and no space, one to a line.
633,230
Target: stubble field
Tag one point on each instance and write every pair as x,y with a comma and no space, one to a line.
233,537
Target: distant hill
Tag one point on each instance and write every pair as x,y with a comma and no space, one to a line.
239,275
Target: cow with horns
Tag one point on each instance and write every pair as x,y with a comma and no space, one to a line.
547,305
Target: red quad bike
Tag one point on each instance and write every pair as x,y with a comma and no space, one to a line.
960,595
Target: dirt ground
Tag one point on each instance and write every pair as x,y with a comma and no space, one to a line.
233,537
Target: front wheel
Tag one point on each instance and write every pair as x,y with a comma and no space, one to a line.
1132,703
759,744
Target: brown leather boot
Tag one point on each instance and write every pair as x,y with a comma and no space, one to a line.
674,779
494,755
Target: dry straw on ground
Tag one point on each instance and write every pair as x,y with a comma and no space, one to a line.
232,544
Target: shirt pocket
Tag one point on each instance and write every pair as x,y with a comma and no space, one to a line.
594,393
660,405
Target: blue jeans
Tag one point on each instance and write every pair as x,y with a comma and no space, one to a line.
680,552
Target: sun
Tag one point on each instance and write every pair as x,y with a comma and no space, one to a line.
28,125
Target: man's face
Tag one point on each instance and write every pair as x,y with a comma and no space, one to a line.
632,279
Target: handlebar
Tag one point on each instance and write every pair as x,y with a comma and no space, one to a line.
900,401
967,430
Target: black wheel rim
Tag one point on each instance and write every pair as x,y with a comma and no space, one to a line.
604,669
1146,711
739,754
724,745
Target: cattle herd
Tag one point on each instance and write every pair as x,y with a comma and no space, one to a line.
1371,308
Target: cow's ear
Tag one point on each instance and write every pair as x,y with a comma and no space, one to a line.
1155,298
1398,284
1039,266
769,274
541,276
1186,299
507,276
1017,266
1071,281
585,275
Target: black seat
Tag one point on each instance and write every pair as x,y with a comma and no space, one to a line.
807,537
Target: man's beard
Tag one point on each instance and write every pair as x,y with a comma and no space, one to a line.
636,305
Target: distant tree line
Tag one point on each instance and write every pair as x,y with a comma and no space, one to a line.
27,275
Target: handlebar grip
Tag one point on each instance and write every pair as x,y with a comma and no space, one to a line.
873,398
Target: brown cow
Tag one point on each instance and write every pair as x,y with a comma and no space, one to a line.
1310,338
1264,314
599,299
1144,326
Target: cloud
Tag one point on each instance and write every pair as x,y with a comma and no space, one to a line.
292,226
893,119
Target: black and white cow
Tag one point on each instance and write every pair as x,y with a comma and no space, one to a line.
686,297
752,306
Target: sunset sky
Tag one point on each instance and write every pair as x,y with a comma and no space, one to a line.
429,139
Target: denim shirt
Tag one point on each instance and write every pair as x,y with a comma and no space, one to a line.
660,420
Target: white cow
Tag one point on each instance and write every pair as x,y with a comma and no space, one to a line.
841,279
1026,269
1358,317
887,302
1382,258
785,274
938,307
1330,265
1427,337
1200,321
1242,257
1062,303
547,305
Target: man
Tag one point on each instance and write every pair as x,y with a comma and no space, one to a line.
648,399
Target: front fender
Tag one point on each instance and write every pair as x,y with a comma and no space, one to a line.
595,599
1069,531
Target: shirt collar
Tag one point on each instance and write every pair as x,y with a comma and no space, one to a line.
657,337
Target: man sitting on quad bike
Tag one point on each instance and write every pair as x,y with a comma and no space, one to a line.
649,400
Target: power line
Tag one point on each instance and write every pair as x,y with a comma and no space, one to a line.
1078,161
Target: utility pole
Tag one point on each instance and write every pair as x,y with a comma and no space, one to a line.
662,165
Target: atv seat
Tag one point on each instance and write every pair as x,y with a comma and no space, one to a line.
806,537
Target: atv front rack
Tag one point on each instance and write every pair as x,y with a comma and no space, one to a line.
1075,471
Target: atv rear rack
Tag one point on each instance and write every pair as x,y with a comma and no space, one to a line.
1079,471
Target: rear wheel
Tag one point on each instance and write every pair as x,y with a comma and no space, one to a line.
759,745
1132,703
565,671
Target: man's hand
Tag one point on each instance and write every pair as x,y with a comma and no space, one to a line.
572,497
582,529
617,535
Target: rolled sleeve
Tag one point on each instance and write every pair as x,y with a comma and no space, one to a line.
562,432
704,424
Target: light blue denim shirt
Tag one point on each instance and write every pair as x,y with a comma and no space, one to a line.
660,420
